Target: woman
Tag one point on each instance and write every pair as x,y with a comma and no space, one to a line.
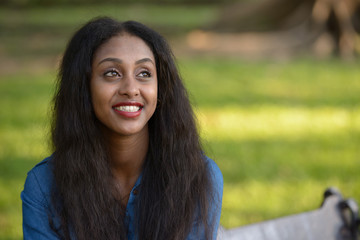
127,161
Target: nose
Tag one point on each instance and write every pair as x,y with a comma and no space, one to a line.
129,87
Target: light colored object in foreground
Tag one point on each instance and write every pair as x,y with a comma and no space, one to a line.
337,219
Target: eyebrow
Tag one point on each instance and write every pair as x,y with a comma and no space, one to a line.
144,60
117,60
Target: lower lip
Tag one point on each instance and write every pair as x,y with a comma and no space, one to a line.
129,114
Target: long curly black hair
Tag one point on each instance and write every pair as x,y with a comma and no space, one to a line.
175,187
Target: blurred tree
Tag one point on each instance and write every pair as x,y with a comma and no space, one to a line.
325,25
338,21
265,15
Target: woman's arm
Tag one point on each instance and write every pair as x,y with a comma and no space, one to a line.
35,207
215,203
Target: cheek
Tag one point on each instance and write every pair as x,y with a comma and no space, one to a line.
101,97
153,95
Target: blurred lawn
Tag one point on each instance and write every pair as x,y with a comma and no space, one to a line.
281,132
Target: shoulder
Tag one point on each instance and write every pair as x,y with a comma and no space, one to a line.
215,197
216,176
36,203
39,182
214,171
42,172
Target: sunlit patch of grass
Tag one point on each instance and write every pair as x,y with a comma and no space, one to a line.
271,121
284,160
24,142
278,160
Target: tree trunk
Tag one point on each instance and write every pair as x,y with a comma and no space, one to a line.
326,26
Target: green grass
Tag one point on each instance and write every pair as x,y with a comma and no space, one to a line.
277,154
281,132
24,100
328,83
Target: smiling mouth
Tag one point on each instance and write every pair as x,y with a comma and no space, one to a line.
128,108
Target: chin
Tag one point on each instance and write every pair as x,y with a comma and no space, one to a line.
130,131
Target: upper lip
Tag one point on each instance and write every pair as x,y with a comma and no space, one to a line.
128,104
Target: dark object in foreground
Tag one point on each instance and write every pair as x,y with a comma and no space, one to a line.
337,219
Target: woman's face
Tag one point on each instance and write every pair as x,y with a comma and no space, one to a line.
123,85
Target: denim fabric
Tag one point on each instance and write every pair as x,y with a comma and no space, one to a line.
38,211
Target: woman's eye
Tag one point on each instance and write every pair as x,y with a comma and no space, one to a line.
145,74
112,73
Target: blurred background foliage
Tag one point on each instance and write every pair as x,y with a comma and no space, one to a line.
30,3
281,119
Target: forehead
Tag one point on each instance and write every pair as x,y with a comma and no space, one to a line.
123,46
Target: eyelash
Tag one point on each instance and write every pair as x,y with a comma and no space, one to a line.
147,73
112,71
117,74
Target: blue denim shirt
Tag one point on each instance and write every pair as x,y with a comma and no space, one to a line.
36,204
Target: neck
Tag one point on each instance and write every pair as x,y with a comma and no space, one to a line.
127,156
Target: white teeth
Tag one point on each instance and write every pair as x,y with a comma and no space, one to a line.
128,108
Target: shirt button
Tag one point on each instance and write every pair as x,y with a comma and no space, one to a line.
135,192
